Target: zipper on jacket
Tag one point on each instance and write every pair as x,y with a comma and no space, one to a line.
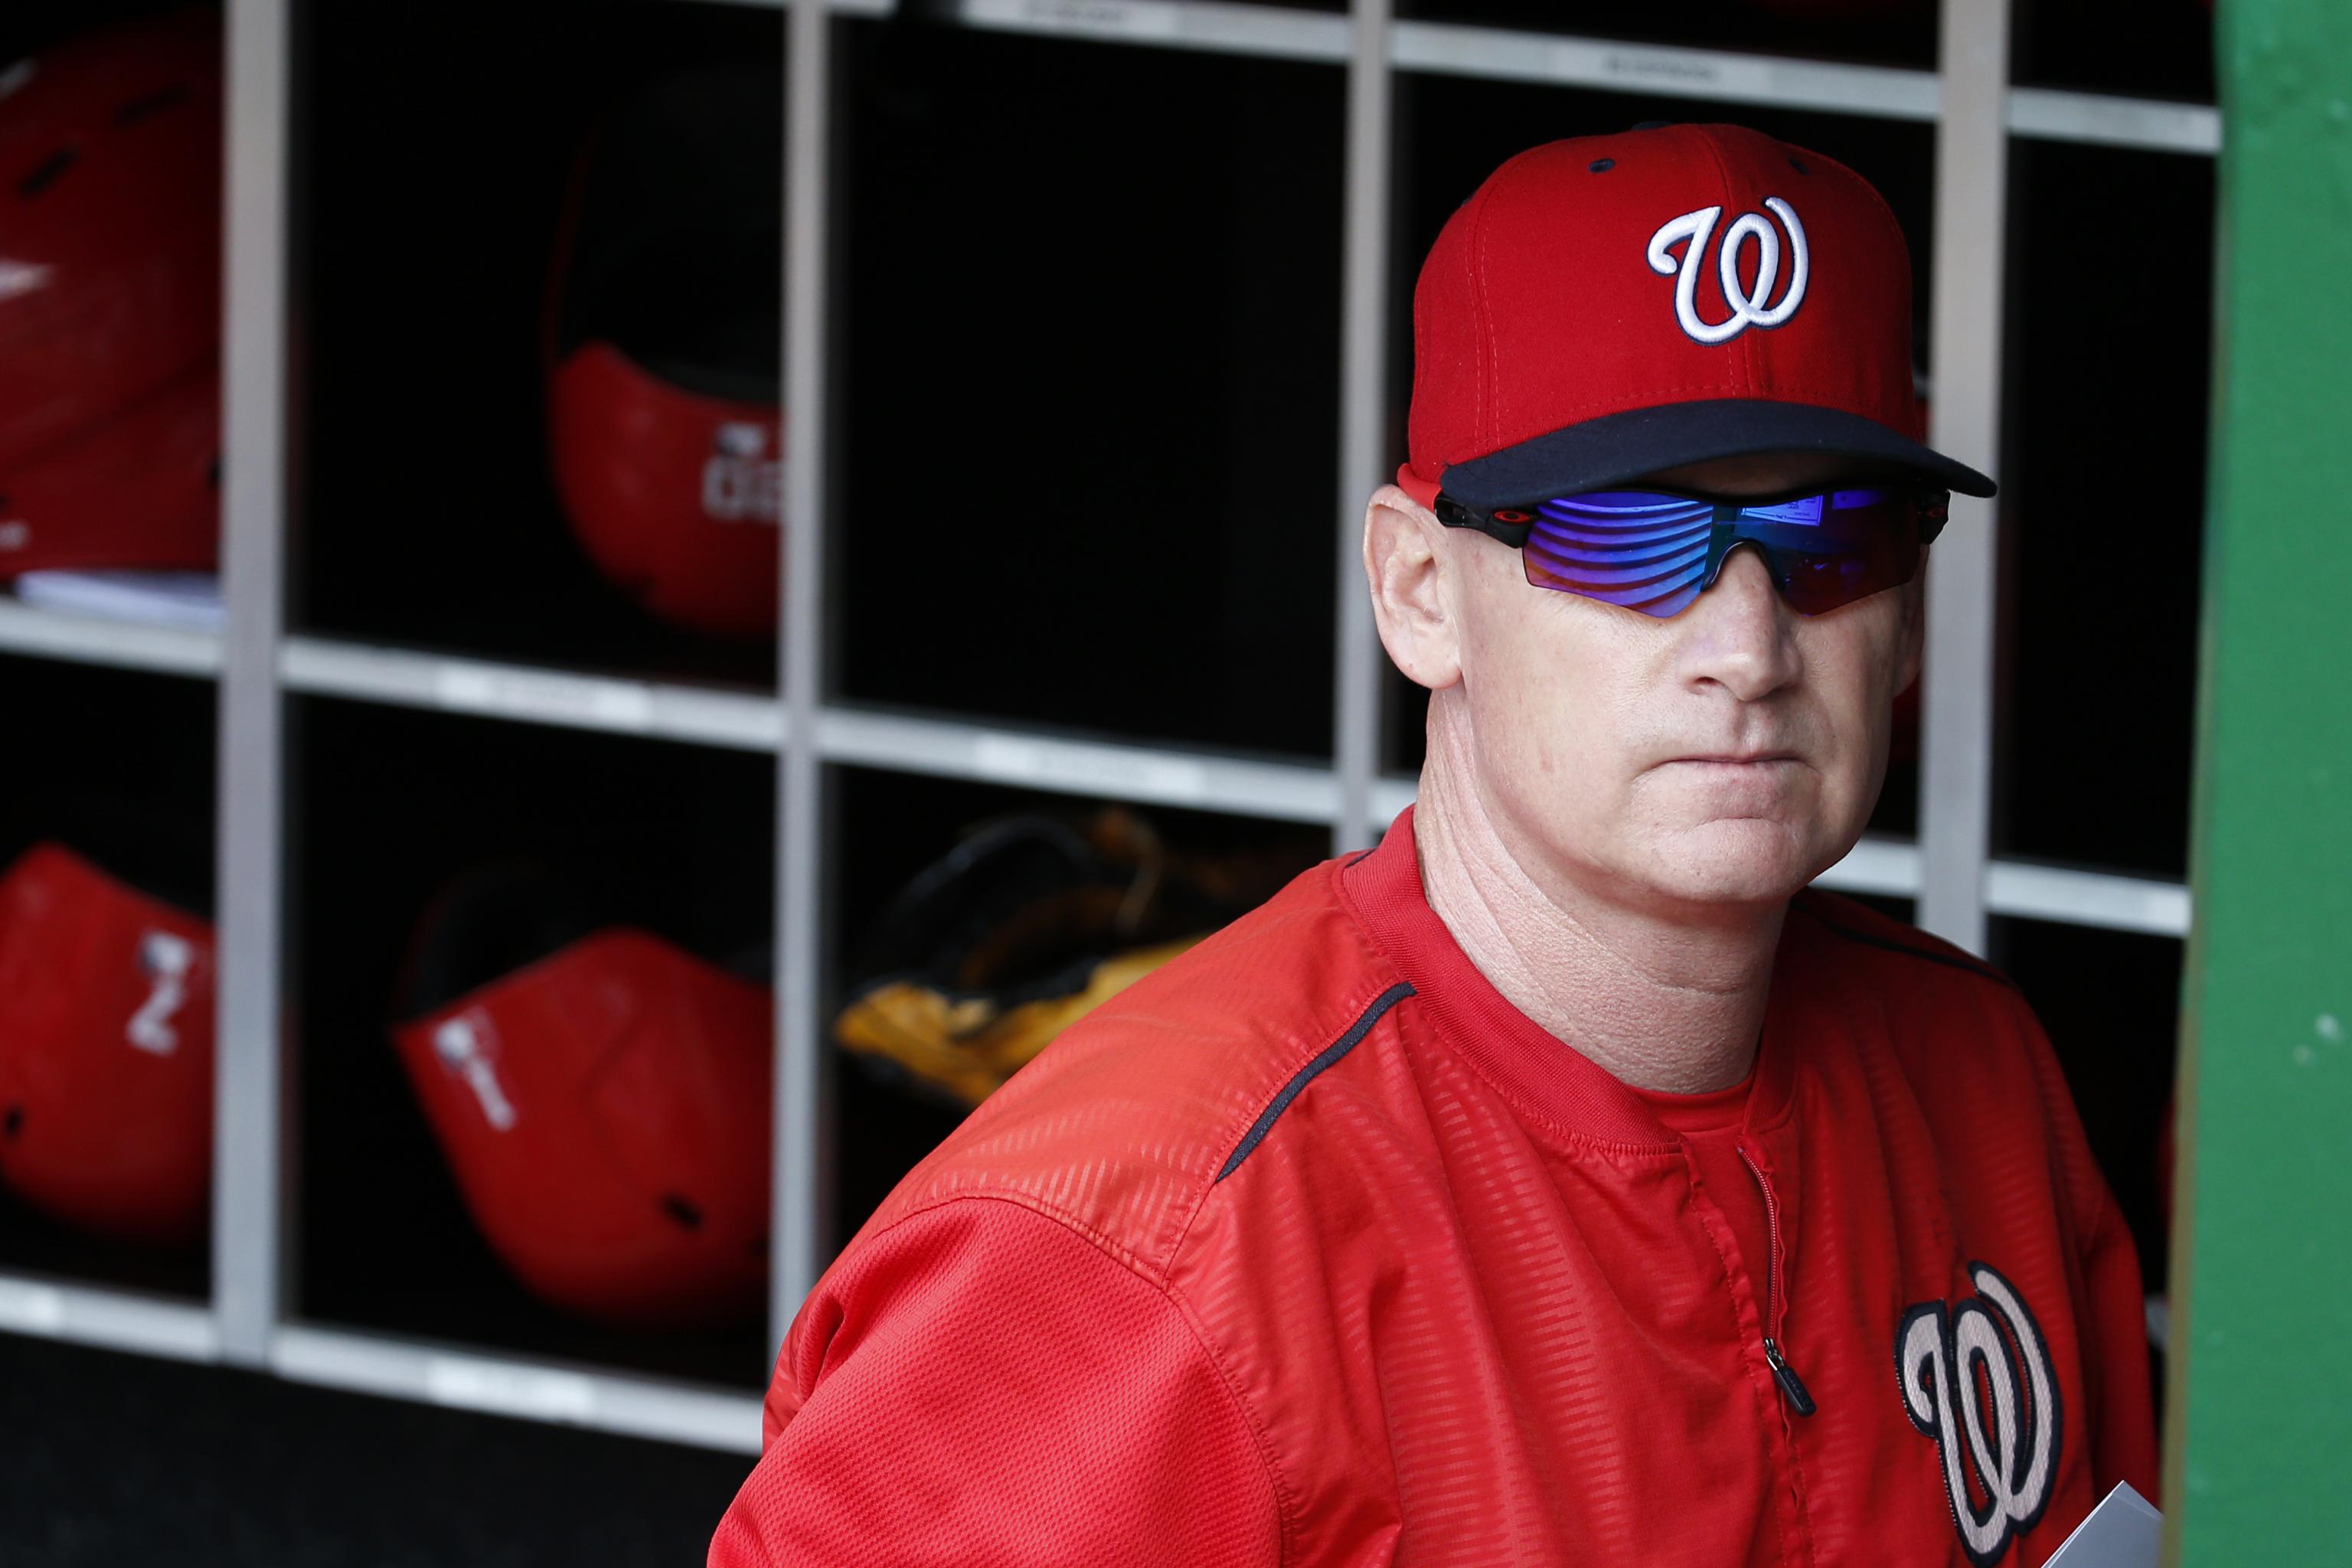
1792,1387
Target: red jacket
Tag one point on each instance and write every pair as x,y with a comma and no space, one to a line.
1311,1249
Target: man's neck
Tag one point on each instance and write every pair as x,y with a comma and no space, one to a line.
1661,999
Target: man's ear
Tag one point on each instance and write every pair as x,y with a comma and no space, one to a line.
1405,564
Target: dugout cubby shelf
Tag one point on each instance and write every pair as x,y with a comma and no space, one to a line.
1082,474
1089,401
2103,512
396,814
439,273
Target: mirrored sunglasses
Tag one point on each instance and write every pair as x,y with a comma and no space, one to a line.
1656,551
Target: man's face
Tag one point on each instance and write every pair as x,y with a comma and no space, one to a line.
1584,723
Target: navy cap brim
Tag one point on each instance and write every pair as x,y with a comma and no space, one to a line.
1598,453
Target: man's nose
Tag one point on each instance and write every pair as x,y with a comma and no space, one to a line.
1741,632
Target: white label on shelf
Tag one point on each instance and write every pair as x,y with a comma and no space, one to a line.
1664,70
1017,758
563,699
31,1309
506,1389
1112,18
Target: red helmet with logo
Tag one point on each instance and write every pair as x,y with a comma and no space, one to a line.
604,1109
106,1051
665,432
109,300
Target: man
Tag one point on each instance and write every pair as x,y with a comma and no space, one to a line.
1565,1180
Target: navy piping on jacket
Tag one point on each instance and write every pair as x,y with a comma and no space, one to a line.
1306,1075
1971,965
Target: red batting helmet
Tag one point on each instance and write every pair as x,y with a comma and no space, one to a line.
109,300
664,425
106,1051
604,1110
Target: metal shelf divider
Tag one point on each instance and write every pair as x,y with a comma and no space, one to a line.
530,694
30,630
527,1387
2149,124
1716,76
1268,31
801,1180
249,1125
108,1319
1026,758
1358,687
1956,682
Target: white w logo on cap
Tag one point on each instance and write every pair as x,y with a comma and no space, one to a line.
1748,309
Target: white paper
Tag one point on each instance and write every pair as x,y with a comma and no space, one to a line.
190,599
2124,1531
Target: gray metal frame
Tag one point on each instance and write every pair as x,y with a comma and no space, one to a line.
1956,695
249,1236
1358,660
1976,113
803,1126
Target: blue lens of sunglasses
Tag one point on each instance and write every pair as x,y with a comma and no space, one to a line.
1655,551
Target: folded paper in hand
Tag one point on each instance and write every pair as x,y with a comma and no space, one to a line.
2124,1531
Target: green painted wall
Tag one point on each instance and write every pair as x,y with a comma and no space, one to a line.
2259,1449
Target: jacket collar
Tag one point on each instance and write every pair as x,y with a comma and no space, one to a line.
1383,889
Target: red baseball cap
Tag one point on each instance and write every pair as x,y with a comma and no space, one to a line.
1607,306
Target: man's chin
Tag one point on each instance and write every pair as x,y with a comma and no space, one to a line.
1734,860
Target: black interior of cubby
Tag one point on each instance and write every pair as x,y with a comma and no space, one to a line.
887,828
433,147
118,766
30,26
1087,319
1872,32
1451,132
388,807
1892,908
2156,49
2103,506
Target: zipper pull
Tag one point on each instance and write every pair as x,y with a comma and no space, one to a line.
1792,1387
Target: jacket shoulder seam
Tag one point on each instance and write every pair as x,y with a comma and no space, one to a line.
1321,1062
1381,971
